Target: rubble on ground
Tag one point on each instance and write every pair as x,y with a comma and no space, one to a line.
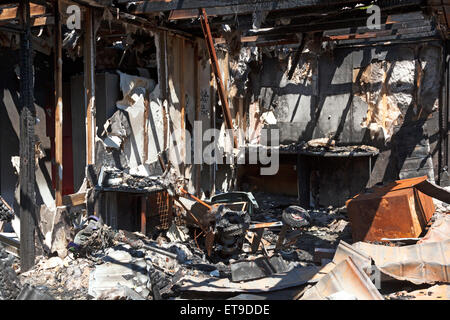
247,257
6,213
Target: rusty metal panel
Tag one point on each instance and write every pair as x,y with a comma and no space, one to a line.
396,210
346,277
419,263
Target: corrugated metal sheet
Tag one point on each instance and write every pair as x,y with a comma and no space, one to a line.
347,277
439,231
419,263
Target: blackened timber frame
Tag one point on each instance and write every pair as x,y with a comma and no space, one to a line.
58,105
89,84
28,218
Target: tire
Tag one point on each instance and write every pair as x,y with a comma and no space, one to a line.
234,223
296,217
231,228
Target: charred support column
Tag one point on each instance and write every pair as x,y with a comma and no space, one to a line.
303,176
27,165
89,85
197,113
215,66
59,106
144,214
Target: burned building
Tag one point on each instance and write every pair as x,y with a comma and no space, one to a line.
108,107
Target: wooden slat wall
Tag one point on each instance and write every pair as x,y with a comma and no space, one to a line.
190,98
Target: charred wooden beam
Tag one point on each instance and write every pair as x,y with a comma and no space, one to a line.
89,85
291,37
58,105
215,66
196,63
350,25
27,178
407,36
166,5
144,215
75,199
11,13
245,8
181,68
42,21
274,7
386,29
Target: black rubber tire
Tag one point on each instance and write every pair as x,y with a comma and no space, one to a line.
296,217
235,230
233,223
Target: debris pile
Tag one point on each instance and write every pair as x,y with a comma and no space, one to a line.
6,213
234,248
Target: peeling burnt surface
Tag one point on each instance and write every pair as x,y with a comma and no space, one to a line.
343,150
6,213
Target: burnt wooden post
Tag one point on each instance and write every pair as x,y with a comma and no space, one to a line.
58,105
303,180
27,153
144,214
89,86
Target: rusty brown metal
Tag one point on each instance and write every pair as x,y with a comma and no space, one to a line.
215,66
396,210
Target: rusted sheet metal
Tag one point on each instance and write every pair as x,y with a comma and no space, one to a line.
439,231
396,210
293,278
433,190
419,263
347,277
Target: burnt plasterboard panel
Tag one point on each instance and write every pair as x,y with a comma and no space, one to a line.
333,112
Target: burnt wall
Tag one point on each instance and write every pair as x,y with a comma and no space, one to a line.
10,123
386,96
